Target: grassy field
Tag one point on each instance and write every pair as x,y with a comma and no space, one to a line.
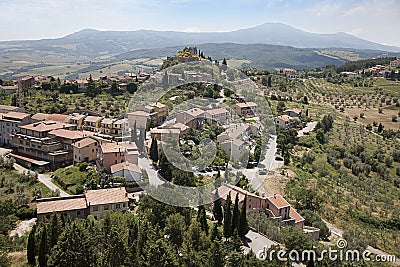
70,179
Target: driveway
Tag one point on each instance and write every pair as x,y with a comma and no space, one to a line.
44,179
309,128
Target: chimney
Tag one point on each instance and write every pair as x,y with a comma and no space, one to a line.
274,195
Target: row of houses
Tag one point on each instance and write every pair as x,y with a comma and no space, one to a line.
50,141
92,202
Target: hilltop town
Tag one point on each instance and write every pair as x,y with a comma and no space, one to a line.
84,157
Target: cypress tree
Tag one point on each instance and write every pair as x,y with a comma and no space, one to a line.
243,225
224,62
43,248
134,133
55,230
217,255
214,233
202,219
154,150
227,217
217,208
235,215
31,253
140,143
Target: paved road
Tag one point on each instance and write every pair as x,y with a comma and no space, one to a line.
256,242
44,179
309,128
270,164
339,232
145,164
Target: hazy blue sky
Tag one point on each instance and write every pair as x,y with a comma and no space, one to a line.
374,20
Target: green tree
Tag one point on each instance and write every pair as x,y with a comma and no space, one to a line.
235,214
217,255
243,225
114,88
73,248
202,219
380,128
165,168
132,87
140,143
217,208
31,247
228,217
134,133
55,230
92,89
154,150
43,248
175,228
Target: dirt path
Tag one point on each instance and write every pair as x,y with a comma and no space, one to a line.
23,227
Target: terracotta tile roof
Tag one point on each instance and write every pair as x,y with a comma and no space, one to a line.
158,105
77,116
284,117
59,118
46,126
195,112
178,125
107,121
84,142
121,121
67,134
217,111
297,217
125,166
16,115
9,108
294,110
40,117
93,119
60,204
106,196
246,105
224,190
117,147
278,201
139,113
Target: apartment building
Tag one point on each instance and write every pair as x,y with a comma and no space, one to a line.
9,123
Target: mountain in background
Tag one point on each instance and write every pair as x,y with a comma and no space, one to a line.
93,43
267,46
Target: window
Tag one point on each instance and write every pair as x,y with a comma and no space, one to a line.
95,208
118,206
78,213
106,207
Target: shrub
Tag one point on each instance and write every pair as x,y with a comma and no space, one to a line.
83,166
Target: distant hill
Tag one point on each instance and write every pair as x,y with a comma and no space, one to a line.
92,43
265,56
266,46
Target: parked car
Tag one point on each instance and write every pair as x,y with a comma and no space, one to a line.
222,168
209,169
278,158
262,171
215,168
